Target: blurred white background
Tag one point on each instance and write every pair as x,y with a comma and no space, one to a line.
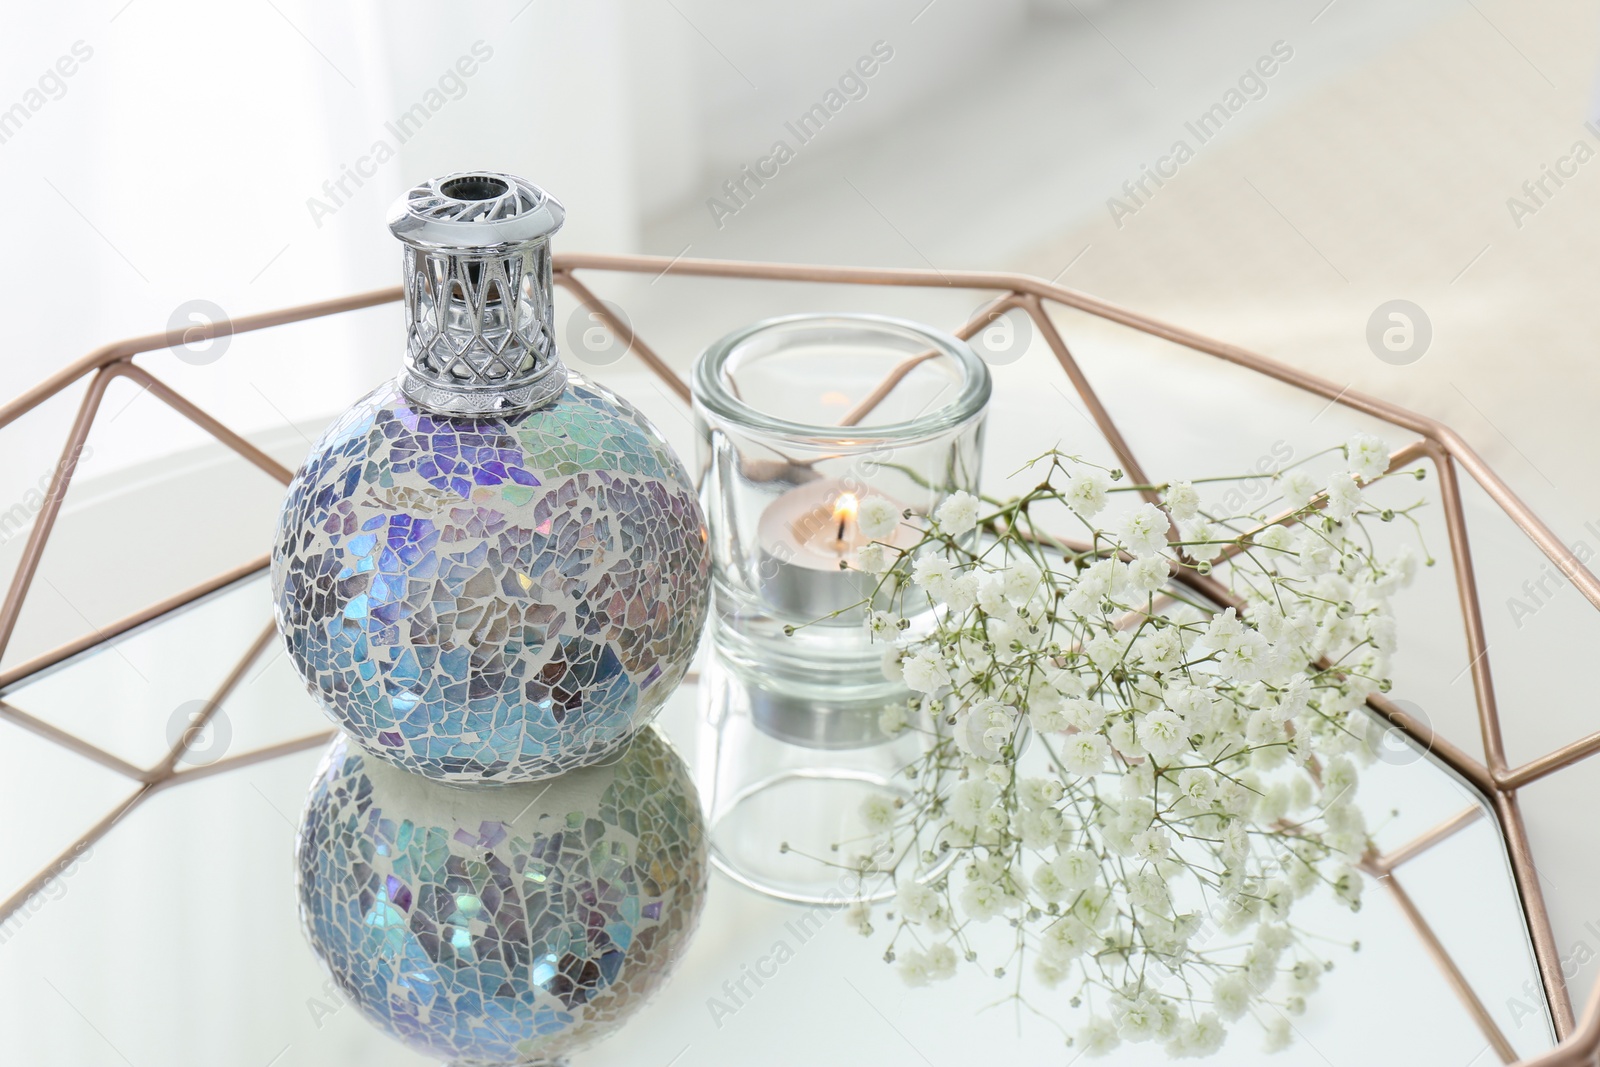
225,154
228,154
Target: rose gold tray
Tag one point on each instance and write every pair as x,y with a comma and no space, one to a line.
1436,443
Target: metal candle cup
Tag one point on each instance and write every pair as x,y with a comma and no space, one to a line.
809,543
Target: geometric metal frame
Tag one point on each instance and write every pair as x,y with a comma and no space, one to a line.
1493,777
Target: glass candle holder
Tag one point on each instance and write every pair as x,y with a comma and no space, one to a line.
805,423
802,422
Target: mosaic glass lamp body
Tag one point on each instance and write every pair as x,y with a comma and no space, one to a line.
489,569
501,926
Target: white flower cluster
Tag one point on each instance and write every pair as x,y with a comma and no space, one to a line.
1144,743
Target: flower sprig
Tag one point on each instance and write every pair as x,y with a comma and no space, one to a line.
1142,742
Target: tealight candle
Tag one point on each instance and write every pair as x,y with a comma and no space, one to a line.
805,535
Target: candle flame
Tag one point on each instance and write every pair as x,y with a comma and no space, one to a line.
845,507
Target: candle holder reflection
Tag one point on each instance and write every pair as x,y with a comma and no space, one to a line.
783,771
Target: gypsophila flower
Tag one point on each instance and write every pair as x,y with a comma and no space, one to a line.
941,961
1203,540
1279,1034
1021,580
1162,734
892,664
1148,575
1245,659
1124,737
1107,650
1152,844
1037,828
1305,978
1040,793
1231,995
1196,786
1224,629
1047,718
1202,1036
958,514
1400,573
1086,492
874,558
985,728
1382,633
878,812
934,574
1050,974
918,902
1298,489
1075,869
1339,777
1275,538
1295,696
1098,1037
1048,884
924,673
1143,531
1085,754
961,593
982,900
1085,715
1066,939
1140,1018
1182,501
1099,583
990,595
1114,733
1344,496
1368,456
1316,554
914,969
892,719
970,801
877,518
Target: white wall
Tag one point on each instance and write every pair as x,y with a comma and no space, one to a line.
731,74
185,157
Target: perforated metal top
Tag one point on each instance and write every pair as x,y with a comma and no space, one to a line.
475,210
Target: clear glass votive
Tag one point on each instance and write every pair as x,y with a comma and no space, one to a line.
803,422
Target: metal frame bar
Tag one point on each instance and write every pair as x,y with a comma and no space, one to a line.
1579,1041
